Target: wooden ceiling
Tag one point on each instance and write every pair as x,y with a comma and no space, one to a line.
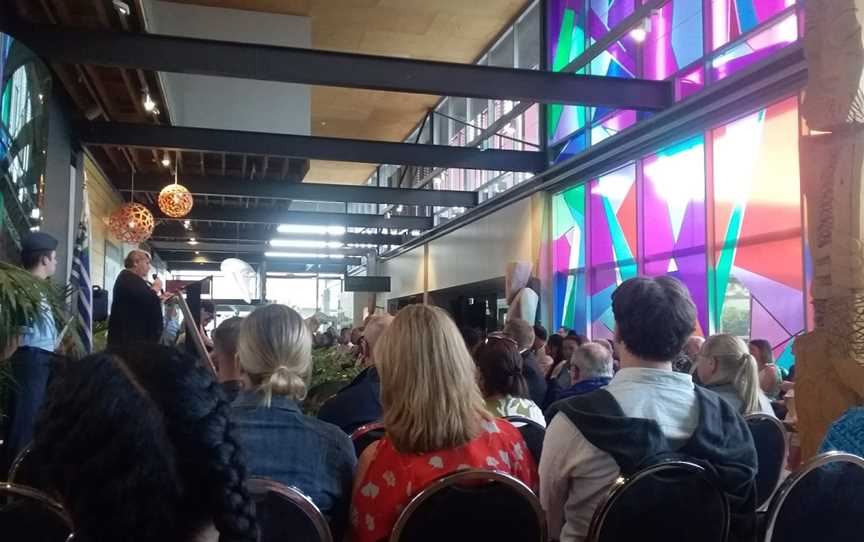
447,30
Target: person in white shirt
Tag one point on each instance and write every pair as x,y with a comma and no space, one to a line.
645,413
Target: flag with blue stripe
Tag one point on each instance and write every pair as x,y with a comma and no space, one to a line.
80,279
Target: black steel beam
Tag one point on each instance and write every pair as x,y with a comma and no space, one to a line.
174,138
246,248
211,213
191,257
272,266
164,233
292,65
275,189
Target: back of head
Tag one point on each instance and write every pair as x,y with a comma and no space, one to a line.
429,393
593,361
520,331
472,337
501,368
766,353
554,344
540,333
226,336
138,447
375,327
735,366
653,317
275,351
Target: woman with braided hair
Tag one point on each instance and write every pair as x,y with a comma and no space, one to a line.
283,444
137,445
726,367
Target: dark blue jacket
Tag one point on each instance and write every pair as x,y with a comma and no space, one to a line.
283,444
356,404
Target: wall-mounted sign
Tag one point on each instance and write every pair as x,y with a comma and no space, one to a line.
367,284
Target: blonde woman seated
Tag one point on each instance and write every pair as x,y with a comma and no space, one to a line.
502,380
281,443
725,366
436,422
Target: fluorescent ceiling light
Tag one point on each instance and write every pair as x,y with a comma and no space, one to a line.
304,243
278,254
316,230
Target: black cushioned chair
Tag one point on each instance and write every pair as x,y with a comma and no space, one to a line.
532,432
470,506
770,438
675,501
822,500
365,435
285,514
27,514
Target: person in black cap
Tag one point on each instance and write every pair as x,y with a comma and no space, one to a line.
136,310
31,365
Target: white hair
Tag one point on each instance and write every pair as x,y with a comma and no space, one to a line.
593,361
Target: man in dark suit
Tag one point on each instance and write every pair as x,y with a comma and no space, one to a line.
136,311
523,333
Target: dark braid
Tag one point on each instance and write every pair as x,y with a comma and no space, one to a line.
138,445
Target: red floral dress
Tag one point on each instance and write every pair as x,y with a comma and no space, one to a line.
394,478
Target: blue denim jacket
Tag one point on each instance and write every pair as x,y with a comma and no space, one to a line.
283,444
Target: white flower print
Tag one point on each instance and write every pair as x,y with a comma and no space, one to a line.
370,522
390,478
463,466
491,461
518,452
370,490
436,462
505,457
491,427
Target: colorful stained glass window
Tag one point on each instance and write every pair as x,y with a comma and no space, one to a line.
673,204
758,278
567,40
755,48
688,84
612,125
577,144
613,246
730,19
568,253
674,40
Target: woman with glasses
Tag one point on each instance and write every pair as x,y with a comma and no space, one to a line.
502,380
436,422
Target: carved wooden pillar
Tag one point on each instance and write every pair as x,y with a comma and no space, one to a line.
829,367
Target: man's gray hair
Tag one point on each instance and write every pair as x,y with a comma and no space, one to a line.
593,361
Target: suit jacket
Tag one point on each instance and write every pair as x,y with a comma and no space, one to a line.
136,312
356,404
534,378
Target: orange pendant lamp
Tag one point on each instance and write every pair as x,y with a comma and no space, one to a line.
132,222
175,200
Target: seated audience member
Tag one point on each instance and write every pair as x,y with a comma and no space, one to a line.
282,443
137,446
846,434
544,360
523,333
647,413
590,369
726,367
560,370
553,350
224,357
686,360
358,403
502,380
473,339
769,374
436,422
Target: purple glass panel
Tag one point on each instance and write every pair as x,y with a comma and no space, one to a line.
674,40
758,47
730,19
688,84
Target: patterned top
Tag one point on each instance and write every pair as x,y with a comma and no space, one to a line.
515,406
394,478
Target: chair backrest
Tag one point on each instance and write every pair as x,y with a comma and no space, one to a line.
769,435
285,514
822,500
674,501
471,505
532,432
27,514
365,435
20,471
